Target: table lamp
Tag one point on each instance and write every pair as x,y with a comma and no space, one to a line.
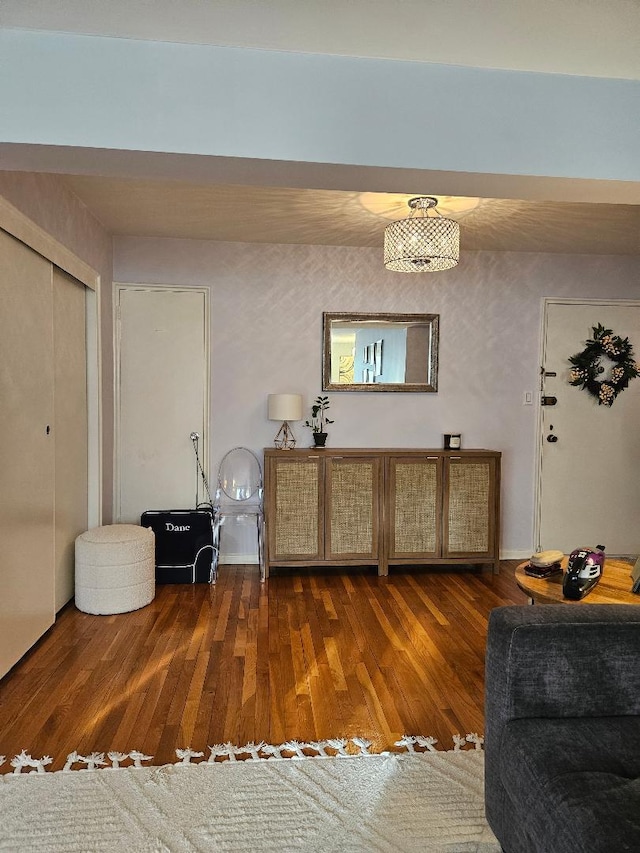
285,408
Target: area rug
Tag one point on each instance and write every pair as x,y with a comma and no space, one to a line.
328,796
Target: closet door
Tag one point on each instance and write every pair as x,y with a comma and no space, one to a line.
70,427
162,397
26,457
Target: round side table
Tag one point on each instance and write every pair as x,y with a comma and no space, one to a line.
614,587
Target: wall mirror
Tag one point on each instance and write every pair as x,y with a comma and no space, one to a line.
380,352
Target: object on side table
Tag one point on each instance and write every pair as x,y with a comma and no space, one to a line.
543,572
544,559
544,563
584,570
452,441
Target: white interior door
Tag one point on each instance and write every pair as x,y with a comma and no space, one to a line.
163,378
589,484
26,450
70,427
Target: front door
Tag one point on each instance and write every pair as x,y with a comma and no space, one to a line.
590,458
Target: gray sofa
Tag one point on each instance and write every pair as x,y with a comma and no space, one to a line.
562,728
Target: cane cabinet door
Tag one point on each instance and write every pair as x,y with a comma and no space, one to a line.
295,525
352,527
470,507
414,506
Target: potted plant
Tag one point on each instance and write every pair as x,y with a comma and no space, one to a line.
319,420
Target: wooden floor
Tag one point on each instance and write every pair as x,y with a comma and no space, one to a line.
307,656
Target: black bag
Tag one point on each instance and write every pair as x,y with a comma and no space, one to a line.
184,544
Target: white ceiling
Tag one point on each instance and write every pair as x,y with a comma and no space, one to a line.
330,217
560,36
586,37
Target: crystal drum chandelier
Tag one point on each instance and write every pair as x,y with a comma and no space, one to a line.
422,243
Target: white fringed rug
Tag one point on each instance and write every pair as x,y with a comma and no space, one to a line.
329,801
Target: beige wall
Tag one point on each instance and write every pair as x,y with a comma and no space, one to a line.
266,326
48,203
266,337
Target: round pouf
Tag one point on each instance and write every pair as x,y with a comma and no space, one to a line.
115,569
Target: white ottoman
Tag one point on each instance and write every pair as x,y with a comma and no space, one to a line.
115,569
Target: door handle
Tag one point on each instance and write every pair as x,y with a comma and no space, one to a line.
548,401
552,438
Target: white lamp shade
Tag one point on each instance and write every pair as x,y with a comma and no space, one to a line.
285,407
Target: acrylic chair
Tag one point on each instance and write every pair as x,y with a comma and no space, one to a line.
239,494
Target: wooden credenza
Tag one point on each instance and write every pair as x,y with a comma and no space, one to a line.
382,507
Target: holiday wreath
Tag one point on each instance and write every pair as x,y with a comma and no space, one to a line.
587,365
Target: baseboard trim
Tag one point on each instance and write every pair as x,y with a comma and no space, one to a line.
252,560
238,559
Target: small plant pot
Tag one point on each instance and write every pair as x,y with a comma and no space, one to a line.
320,439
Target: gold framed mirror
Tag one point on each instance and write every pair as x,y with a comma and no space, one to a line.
380,352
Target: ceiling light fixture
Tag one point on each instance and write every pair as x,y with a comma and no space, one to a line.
422,243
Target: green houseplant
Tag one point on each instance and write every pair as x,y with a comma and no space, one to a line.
318,420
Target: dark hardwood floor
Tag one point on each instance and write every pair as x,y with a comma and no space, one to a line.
308,655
